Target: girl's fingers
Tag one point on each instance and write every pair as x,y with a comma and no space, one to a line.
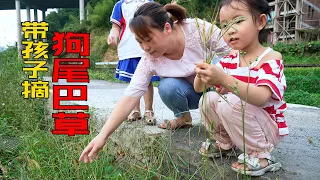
222,90
202,65
203,72
199,71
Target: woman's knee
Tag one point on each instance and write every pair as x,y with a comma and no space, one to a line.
169,87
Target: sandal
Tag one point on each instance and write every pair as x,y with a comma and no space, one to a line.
209,149
254,166
174,124
134,116
150,120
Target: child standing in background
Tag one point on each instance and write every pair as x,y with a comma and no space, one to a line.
129,53
251,82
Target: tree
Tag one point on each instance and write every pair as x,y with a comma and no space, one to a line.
101,12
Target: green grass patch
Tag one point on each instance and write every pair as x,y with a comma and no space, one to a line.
47,156
303,86
28,150
302,97
16,113
105,74
301,59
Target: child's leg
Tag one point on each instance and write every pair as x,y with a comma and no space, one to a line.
261,131
208,105
124,72
137,107
148,100
135,113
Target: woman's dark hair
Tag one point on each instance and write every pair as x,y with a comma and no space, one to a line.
154,15
256,8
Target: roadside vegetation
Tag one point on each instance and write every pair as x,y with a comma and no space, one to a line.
28,150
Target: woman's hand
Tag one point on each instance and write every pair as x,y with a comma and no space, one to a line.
117,116
210,74
92,149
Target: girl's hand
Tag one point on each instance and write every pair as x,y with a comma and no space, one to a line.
112,39
209,73
222,90
92,149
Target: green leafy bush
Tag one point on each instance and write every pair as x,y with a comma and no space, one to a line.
298,48
312,47
98,46
100,14
75,26
310,34
203,9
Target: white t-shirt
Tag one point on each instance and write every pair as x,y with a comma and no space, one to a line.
122,14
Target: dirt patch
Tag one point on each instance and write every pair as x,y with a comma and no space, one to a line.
111,55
